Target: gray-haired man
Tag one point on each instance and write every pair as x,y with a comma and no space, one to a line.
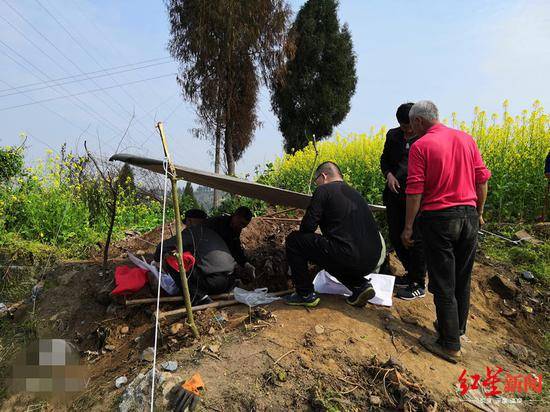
447,183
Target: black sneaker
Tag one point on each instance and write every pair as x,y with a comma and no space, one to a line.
401,282
412,292
361,295
310,300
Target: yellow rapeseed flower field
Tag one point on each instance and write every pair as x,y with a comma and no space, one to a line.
513,147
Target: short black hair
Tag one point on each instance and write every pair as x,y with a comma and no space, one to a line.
328,168
243,211
402,113
195,214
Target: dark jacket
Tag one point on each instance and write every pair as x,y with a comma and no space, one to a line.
346,221
210,251
395,159
393,151
221,225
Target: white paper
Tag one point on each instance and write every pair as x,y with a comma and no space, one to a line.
324,282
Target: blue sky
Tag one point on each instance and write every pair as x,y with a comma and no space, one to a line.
460,54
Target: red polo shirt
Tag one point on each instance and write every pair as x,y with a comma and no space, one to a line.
444,167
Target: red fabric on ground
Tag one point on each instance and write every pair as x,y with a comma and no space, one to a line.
188,262
129,280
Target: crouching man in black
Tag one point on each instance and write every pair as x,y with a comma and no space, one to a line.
213,272
349,247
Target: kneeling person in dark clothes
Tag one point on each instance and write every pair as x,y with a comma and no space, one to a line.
229,228
349,248
214,264
194,217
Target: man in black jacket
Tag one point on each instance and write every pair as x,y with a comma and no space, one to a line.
394,165
349,248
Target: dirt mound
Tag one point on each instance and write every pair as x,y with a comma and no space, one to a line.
334,357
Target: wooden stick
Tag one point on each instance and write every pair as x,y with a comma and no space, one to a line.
281,212
280,219
179,250
282,356
133,302
219,304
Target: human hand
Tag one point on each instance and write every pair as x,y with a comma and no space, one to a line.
481,220
406,237
393,183
251,269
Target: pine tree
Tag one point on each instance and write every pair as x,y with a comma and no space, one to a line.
188,200
313,91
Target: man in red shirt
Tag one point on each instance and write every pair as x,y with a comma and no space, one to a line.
447,184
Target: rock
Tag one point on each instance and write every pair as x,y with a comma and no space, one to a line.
103,295
124,329
394,363
110,348
510,313
215,348
3,308
175,328
528,276
120,381
148,354
503,287
319,329
375,400
169,366
137,394
518,352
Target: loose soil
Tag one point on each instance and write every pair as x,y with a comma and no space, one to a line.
279,358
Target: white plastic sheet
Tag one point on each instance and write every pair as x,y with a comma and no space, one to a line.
166,281
254,297
324,282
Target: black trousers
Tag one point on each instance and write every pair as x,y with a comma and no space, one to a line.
302,248
450,241
412,259
201,284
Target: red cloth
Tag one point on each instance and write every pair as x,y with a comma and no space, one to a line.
129,280
444,167
188,262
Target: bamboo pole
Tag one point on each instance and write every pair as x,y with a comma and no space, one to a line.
219,304
179,251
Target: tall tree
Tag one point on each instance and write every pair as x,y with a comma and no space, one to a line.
225,49
312,93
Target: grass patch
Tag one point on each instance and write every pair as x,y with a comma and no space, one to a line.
524,257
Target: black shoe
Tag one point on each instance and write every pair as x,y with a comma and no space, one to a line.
412,292
401,282
310,300
361,295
